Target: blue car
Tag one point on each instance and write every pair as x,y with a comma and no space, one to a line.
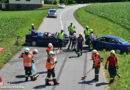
109,42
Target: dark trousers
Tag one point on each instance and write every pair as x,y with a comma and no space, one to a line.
73,44
70,43
97,68
50,72
112,71
60,43
87,39
79,47
28,72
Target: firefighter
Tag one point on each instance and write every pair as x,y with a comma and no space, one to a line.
74,38
87,33
50,65
80,41
27,62
90,39
113,65
70,29
60,39
50,48
96,64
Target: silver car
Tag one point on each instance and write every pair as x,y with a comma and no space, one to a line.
61,5
52,13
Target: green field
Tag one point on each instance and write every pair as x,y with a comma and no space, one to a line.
13,24
110,19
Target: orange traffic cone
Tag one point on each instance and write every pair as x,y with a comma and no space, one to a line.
1,82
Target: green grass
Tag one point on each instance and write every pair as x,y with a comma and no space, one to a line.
13,24
107,24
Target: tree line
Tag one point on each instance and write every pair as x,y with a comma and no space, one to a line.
80,1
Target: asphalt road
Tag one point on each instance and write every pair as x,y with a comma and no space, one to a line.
69,68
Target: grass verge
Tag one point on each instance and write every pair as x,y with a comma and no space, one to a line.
105,26
13,24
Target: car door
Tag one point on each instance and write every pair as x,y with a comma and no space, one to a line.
99,43
110,43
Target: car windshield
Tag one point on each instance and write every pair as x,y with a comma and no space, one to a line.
122,40
52,11
40,34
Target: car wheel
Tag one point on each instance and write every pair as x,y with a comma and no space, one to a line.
34,43
118,51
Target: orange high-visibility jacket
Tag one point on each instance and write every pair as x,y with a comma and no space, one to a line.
96,59
50,63
27,60
50,49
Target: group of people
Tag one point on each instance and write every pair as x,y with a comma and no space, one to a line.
28,55
28,62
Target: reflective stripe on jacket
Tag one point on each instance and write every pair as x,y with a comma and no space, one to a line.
27,60
50,63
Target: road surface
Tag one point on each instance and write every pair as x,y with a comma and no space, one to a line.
69,68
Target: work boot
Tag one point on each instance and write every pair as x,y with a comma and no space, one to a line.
32,79
55,82
47,82
26,79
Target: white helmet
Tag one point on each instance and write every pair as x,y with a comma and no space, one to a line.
95,51
35,50
26,50
50,45
32,24
51,53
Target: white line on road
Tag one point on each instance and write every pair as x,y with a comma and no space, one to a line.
61,20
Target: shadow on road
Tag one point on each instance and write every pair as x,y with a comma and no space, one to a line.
17,82
101,84
20,76
87,82
39,87
42,72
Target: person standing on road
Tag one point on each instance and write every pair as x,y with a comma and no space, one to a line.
33,53
96,64
50,48
60,39
80,41
74,38
70,29
91,37
113,65
50,65
27,62
87,33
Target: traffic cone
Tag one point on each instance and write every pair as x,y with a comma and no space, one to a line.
1,82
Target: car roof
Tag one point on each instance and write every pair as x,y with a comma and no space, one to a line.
110,36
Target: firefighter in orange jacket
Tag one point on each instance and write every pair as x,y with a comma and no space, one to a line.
50,64
27,62
96,63
50,48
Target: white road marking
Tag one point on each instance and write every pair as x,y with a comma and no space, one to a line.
61,20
